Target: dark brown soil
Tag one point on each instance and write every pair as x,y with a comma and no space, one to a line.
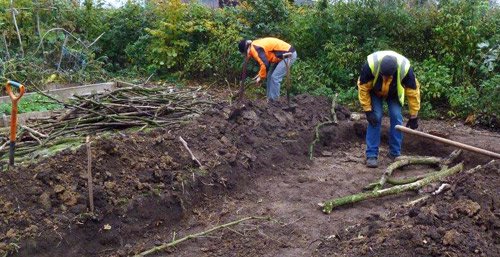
148,190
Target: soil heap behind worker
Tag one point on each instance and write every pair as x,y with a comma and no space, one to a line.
270,53
387,77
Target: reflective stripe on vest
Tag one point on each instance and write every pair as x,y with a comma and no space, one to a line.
403,68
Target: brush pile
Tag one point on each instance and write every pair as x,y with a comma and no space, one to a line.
132,107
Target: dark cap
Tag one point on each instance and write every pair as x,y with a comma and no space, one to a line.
242,46
388,65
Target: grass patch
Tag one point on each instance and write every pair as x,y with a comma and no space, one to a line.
32,103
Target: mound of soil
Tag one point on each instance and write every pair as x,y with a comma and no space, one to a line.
464,221
145,183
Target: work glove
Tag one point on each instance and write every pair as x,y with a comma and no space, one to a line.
412,123
371,118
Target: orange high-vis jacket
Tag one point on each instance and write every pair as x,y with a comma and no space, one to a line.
268,50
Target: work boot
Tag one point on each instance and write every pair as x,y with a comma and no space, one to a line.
371,162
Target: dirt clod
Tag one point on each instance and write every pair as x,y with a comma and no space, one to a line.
452,238
467,207
45,200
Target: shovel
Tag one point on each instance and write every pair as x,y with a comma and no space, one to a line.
13,115
286,58
243,87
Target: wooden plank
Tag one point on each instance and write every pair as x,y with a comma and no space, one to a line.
65,93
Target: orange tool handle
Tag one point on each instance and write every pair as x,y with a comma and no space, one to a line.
15,99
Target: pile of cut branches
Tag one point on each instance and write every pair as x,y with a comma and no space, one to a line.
130,107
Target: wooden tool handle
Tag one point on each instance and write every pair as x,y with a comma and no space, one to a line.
449,142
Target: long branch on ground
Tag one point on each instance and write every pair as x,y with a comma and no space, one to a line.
180,240
329,205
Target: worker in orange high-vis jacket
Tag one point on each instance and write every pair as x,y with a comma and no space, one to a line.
271,54
387,76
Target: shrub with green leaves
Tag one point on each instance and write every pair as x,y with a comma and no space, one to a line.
453,44
217,56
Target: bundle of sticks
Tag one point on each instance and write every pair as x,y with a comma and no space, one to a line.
130,107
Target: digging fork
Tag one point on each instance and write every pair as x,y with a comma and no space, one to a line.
13,115
287,59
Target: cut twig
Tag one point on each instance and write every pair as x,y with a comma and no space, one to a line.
329,205
36,138
317,137
451,158
89,175
230,92
184,143
441,189
147,80
316,130
34,131
4,145
478,167
180,240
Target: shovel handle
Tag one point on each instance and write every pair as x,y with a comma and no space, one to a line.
448,142
17,85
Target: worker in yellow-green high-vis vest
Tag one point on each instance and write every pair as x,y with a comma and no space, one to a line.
387,76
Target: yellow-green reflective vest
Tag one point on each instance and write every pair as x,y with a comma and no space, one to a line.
403,68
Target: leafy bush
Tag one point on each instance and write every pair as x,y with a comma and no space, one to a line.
435,84
307,77
128,24
453,44
265,17
217,56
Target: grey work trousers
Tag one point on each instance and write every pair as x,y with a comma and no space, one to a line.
276,75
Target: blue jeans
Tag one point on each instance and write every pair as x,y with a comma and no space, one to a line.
373,132
275,76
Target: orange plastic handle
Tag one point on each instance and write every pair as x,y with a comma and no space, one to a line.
15,99
21,88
